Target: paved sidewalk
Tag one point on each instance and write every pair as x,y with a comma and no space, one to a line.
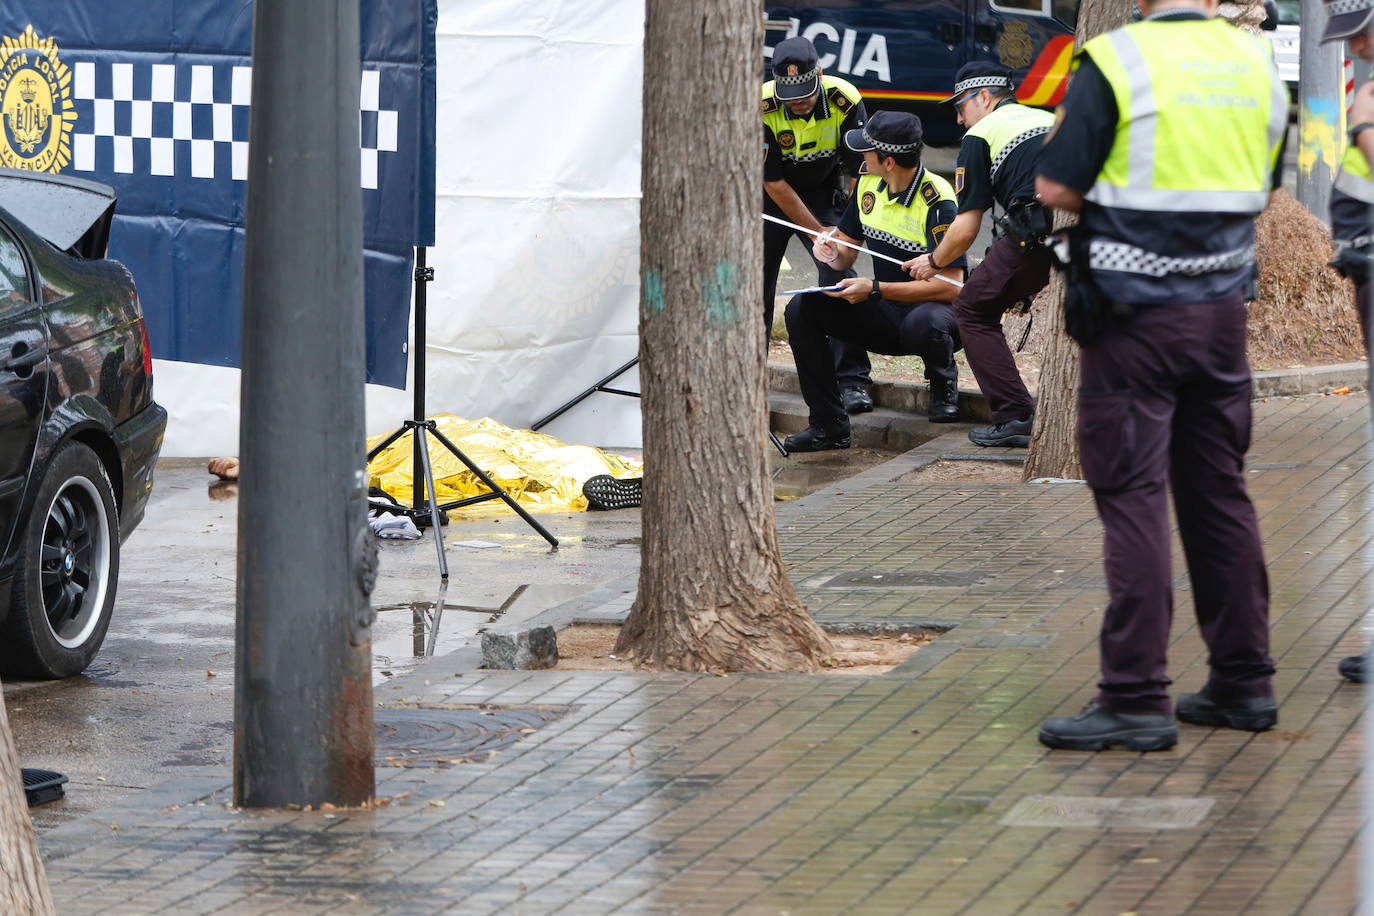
923,790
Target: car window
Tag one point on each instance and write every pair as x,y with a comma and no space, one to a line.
1024,7
1288,12
14,276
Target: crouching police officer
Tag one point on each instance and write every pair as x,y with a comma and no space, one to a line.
1352,195
996,163
898,209
1169,146
805,113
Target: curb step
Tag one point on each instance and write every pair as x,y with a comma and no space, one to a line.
880,428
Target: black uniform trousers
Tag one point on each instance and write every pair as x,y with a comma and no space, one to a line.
882,326
1165,401
1007,275
849,362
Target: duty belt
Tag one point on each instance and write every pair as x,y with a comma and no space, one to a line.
1124,258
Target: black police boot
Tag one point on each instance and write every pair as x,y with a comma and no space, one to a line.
815,439
1097,728
1013,433
856,400
1249,714
944,402
1352,668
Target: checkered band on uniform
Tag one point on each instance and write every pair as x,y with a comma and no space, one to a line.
1341,7
1128,259
990,82
808,157
799,79
1017,140
892,147
171,119
879,235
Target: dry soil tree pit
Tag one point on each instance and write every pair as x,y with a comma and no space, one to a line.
591,647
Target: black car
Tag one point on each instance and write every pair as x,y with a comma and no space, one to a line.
79,430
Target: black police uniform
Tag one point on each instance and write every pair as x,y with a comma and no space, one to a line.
818,178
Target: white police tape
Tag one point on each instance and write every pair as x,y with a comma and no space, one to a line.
831,238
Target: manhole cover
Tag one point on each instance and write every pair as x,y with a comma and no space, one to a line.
440,737
1117,813
879,578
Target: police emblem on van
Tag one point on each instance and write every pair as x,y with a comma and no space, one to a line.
867,201
1014,47
787,139
36,111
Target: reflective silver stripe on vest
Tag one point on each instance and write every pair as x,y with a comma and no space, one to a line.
1128,259
1178,199
809,157
904,244
1355,186
1014,142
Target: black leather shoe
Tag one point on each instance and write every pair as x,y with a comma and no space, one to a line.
1250,714
1097,728
944,402
815,439
1352,668
856,400
1013,433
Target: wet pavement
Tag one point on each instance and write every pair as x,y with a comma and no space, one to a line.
923,790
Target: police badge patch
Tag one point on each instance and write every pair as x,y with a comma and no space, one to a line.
867,201
958,180
36,109
786,139
929,193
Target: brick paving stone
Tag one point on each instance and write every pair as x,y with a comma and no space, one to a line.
764,794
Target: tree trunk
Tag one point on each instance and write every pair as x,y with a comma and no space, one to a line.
712,591
23,884
1054,441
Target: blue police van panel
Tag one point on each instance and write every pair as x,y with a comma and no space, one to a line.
904,53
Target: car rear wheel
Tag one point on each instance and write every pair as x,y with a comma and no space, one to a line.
64,589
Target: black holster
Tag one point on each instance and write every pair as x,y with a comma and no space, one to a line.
1088,312
1026,223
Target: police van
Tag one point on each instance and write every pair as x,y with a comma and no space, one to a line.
904,53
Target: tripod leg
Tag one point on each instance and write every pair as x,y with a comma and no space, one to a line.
491,485
434,526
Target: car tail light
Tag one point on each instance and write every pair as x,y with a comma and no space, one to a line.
147,347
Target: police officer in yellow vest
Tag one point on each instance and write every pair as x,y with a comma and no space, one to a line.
1168,145
1352,196
996,164
901,210
805,113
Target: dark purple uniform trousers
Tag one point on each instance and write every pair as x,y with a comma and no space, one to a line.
1008,274
1165,400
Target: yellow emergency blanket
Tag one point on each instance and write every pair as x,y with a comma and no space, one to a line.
542,473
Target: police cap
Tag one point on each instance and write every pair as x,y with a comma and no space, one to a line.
796,72
1345,18
983,74
886,132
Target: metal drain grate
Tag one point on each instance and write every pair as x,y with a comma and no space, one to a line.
1116,813
431,737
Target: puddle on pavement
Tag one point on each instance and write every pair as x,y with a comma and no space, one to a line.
801,474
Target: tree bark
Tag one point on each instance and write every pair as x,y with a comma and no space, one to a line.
712,591
23,883
1054,440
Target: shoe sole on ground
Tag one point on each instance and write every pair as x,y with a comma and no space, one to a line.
953,419
824,447
1148,739
1001,442
1218,718
606,492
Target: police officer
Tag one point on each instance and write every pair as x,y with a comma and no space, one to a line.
898,209
996,164
1168,146
805,113
1352,195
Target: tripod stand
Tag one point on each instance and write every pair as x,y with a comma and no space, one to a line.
602,386
425,507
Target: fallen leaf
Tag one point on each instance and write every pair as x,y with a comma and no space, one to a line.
437,803
209,674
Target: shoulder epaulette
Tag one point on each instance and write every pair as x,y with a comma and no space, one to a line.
839,99
768,104
929,193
